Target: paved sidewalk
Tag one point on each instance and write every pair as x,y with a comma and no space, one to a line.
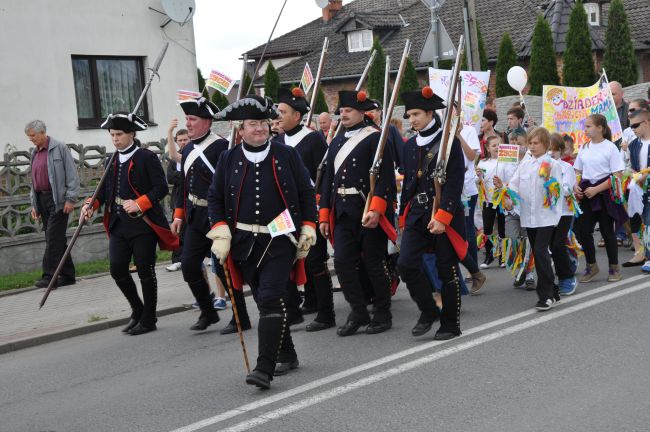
92,304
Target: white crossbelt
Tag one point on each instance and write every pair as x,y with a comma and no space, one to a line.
347,191
197,201
253,228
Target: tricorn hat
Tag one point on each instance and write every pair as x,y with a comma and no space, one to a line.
295,98
355,99
200,107
125,122
424,99
251,107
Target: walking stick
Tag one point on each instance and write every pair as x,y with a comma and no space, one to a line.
236,314
82,219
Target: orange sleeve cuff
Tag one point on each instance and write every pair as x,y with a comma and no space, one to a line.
219,224
308,223
443,216
95,203
144,203
324,215
378,204
179,213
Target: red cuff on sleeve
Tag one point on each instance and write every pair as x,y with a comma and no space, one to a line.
443,216
144,203
324,215
378,204
179,213
308,223
95,203
219,224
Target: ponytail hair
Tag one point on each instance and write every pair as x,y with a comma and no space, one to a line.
601,120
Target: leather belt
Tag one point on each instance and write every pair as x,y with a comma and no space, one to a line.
197,201
253,228
120,201
347,191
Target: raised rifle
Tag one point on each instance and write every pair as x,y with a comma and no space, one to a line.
93,198
323,163
385,128
319,76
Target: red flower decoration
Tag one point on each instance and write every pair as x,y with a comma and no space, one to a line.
297,92
362,96
427,92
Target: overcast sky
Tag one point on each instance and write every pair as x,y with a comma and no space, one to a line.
225,29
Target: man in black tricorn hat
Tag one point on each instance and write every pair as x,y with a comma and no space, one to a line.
198,161
346,184
445,234
311,146
134,218
255,183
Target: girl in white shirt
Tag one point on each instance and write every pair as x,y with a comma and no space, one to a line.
486,171
539,209
598,162
559,251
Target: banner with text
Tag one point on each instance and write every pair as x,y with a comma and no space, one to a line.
220,82
183,95
282,224
508,153
565,109
307,78
474,87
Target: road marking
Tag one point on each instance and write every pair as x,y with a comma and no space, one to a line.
405,353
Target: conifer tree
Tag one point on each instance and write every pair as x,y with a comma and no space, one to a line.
506,59
619,60
578,69
543,68
271,82
377,72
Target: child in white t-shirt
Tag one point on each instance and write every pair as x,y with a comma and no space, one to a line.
486,170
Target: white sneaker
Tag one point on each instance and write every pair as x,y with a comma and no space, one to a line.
174,267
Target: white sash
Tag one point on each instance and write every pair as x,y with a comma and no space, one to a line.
198,152
294,140
350,145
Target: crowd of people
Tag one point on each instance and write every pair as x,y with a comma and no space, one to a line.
263,204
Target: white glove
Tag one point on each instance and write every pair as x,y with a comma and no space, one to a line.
220,237
306,241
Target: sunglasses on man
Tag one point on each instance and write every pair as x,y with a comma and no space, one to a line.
636,125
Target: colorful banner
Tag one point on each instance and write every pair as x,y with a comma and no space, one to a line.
282,224
508,153
183,95
220,82
307,78
474,88
565,109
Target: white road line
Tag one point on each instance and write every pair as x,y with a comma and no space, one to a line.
396,356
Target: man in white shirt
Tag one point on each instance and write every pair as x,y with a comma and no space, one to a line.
640,124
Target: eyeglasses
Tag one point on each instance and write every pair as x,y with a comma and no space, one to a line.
636,125
631,110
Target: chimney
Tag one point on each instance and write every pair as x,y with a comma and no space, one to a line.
332,9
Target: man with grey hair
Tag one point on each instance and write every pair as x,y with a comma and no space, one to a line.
621,104
55,189
324,124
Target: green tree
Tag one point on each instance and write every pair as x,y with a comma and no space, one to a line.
506,59
542,69
271,81
201,83
219,99
410,81
578,69
321,103
247,85
377,72
619,60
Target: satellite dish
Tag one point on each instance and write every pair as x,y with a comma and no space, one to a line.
180,11
322,3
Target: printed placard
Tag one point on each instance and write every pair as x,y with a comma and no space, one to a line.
508,153
307,79
220,82
282,224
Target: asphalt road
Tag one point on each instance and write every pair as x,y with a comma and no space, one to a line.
584,366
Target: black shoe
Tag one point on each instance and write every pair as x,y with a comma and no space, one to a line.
132,323
232,328
140,329
421,328
259,379
315,326
308,310
445,335
61,281
206,320
350,328
43,283
285,367
378,327
296,320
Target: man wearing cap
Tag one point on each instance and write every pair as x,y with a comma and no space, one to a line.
255,183
198,161
358,242
444,234
133,218
311,146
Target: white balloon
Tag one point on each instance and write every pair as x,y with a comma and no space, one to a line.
517,78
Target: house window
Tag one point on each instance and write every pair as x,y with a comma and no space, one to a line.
593,13
360,40
104,85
